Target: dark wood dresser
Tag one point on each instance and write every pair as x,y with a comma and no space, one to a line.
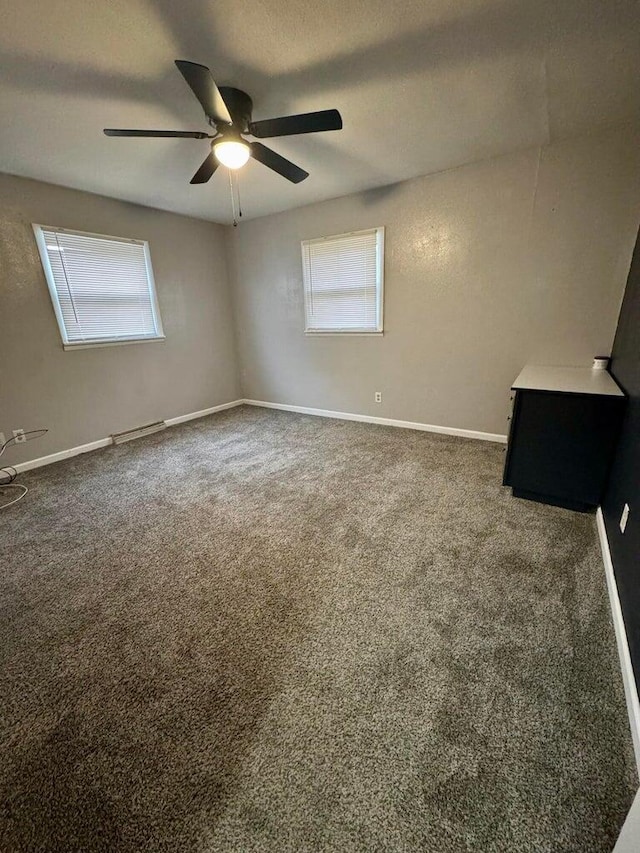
564,427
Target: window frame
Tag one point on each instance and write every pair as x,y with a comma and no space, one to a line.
38,231
379,328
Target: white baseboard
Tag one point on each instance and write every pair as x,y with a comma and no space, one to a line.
62,454
202,413
628,678
629,838
104,442
372,419
325,413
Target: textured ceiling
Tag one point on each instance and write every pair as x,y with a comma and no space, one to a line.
422,87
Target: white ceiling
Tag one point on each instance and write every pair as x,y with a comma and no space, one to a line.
422,87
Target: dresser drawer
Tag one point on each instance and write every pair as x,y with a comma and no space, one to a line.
561,446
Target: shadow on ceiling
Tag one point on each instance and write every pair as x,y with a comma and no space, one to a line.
504,29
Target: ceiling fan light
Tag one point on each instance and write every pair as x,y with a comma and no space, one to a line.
231,154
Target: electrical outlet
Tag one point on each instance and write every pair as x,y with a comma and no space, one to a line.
624,517
3,440
19,436
378,396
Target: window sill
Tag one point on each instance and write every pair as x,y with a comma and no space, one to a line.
341,334
114,343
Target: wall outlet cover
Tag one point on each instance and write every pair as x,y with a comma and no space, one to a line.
378,396
19,436
624,517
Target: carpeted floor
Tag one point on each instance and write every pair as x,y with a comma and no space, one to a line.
269,632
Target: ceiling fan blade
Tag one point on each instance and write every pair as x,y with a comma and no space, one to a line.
204,88
279,164
182,134
206,170
291,125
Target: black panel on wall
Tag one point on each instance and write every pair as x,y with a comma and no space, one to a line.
624,481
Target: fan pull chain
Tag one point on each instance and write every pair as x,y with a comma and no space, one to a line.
233,201
238,190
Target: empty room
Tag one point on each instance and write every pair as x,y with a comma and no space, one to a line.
319,426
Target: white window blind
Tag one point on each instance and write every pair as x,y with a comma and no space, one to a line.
101,287
343,282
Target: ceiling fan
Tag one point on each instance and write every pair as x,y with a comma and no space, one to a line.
228,111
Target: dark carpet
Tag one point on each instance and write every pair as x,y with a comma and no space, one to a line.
268,632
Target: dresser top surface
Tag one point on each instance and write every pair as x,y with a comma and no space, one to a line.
568,380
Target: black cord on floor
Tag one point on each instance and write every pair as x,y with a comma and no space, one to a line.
8,474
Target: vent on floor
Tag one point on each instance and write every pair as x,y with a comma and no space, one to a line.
138,432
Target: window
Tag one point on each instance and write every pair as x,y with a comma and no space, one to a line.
101,287
343,282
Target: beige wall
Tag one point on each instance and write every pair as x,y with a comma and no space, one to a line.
522,258
88,394
489,266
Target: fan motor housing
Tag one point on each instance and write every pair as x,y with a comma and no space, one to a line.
240,106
